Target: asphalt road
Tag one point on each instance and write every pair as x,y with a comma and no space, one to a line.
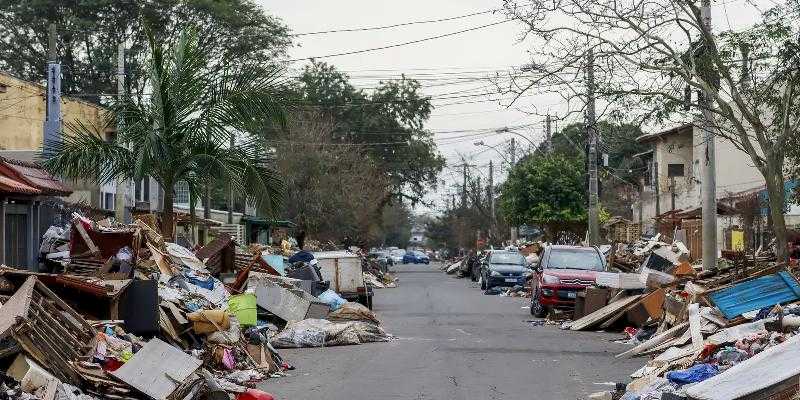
454,343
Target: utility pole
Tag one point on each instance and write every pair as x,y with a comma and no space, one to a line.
549,135
513,162
594,221
464,189
492,221
709,184
52,123
119,196
230,188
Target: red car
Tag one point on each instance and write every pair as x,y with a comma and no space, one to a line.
562,272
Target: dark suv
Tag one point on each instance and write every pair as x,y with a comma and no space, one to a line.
503,268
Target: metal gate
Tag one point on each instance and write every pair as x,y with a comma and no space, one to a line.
16,240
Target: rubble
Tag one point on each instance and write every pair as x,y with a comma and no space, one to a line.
125,314
726,333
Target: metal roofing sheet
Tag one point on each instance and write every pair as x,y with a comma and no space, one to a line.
756,294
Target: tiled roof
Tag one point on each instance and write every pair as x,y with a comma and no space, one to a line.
33,175
10,185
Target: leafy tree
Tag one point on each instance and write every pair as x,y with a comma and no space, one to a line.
231,32
548,192
389,120
182,132
619,180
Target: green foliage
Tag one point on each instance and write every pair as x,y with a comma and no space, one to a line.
389,119
231,32
545,191
182,131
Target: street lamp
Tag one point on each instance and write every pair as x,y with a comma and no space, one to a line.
508,130
481,143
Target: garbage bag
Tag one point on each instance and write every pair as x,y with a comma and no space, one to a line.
697,373
352,311
332,299
320,332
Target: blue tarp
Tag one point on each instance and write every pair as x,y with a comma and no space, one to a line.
756,294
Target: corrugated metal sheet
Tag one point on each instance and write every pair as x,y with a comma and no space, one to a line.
756,294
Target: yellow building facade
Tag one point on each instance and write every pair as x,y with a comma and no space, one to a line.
23,111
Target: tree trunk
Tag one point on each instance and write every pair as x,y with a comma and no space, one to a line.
168,213
193,216
777,197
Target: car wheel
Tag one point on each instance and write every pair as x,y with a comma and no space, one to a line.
537,309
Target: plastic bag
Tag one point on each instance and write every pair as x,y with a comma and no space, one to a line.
697,373
332,299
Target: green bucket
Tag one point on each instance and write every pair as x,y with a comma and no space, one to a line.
243,306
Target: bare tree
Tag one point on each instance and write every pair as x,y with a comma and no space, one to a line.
652,56
333,189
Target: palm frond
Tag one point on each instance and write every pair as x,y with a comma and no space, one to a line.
84,154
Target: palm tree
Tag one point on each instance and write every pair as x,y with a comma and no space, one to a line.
180,132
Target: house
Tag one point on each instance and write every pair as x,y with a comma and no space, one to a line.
22,116
672,182
28,204
418,236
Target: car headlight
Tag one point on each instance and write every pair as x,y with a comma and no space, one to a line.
495,273
551,279
526,274
547,292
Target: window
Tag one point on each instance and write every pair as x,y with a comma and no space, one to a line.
507,258
675,170
143,189
182,193
586,259
107,201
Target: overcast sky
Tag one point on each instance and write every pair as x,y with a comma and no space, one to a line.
447,67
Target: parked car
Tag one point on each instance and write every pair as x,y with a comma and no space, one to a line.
561,273
503,268
397,255
383,256
416,257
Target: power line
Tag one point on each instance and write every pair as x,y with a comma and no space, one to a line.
400,44
375,28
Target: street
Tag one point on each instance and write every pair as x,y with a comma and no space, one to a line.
455,343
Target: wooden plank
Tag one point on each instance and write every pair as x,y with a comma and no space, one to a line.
695,326
603,313
85,236
655,340
157,369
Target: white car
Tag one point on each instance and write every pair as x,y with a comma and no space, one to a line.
397,256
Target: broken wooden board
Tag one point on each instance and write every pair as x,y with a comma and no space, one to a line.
157,369
655,340
603,313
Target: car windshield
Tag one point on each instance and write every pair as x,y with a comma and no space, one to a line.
507,258
400,252
587,259
419,254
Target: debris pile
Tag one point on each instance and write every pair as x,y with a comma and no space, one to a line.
123,313
728,333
